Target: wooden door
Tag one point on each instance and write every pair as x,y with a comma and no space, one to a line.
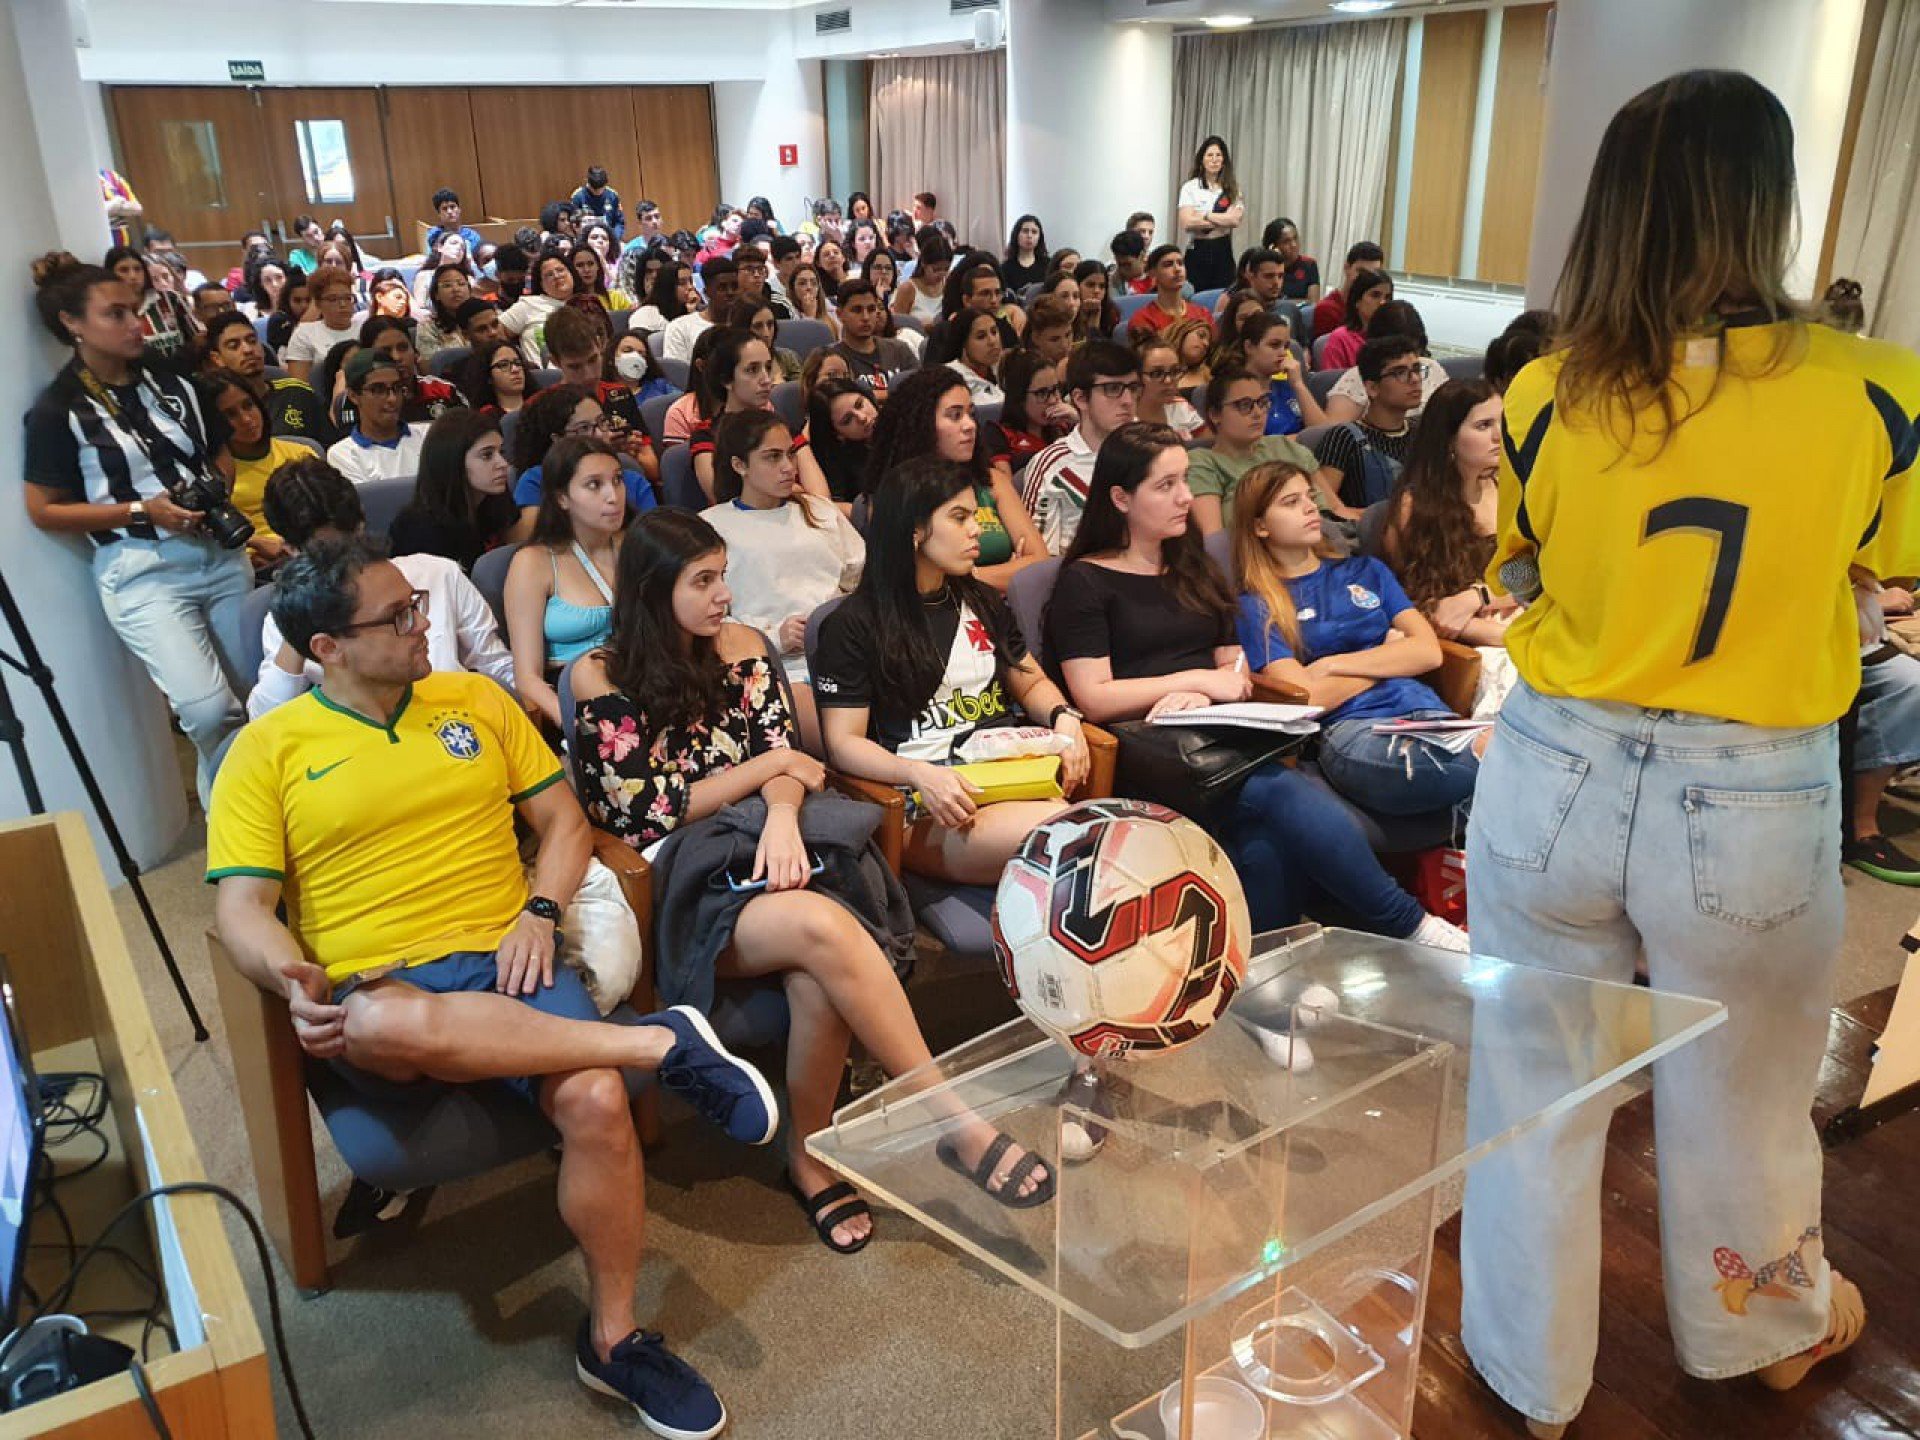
327,149
194,157
432,130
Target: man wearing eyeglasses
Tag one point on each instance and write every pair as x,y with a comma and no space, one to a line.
1103,384
1361,460
381,445
416,954
318,505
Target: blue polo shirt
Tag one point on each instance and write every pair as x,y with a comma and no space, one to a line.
1344,606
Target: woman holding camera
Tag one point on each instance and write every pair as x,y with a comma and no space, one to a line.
117,451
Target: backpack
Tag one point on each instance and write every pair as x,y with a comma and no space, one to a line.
1379,472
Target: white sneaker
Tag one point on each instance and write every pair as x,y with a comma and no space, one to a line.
1442,935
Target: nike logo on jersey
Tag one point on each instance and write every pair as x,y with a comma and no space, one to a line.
313,774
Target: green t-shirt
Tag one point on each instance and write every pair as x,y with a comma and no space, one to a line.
996,545
1211,473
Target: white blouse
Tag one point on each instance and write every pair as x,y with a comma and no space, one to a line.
780,565
980,390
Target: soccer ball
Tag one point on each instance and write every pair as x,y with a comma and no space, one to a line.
1121,928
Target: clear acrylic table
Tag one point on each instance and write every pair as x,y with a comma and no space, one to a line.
1247,1254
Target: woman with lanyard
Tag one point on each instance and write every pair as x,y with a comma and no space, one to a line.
1665,780
110,443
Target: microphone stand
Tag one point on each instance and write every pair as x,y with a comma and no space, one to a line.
14,735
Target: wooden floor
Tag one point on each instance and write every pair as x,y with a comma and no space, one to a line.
1872,1220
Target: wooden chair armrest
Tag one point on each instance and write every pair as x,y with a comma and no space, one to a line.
1278,692
1103,753
270,1083
891,836
1457,680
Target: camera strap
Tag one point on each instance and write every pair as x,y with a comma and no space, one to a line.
139,424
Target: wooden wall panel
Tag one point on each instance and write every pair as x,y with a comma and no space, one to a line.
536,141
1513,158
430,144
678,169
1443,141
358,108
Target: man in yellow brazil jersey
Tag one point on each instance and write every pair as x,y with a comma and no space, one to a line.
379,807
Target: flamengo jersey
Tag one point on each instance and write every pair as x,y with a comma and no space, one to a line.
395,842
1712,576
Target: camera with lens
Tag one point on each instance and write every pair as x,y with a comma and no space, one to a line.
208,494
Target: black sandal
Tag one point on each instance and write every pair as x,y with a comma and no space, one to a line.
835,1205
1008,1191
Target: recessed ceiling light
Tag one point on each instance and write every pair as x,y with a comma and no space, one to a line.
1228,22
1361,7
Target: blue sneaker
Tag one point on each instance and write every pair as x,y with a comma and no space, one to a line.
669,1395
720,1085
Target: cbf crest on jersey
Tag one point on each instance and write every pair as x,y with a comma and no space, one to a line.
461,740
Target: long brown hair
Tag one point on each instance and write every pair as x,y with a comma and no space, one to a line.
1229,186
1257,572
1124,460
1690,210
1437,551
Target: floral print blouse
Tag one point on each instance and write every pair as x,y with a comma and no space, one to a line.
638,780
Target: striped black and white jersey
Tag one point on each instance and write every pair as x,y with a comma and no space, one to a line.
79,448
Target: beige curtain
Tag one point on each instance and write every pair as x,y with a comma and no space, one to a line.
1879,233
939,123
1307,114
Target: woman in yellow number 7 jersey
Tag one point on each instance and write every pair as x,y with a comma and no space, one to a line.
1664,781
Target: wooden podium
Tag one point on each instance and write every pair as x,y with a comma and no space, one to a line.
81,1007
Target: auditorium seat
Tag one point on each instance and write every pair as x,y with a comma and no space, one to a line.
444,362
490,579
653,418
678,484
803,337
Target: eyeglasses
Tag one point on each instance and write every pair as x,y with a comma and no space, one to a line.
1116,389
404,621
1162,375
1251,405
581,428
508,364
383,390
1044,392
1415,371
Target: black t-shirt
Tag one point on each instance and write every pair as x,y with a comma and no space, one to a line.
1301,275
1342,448
971,695
845,466
1132,621
294,410
279,330
1015,276
415,532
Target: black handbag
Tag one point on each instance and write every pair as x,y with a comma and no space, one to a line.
1196,770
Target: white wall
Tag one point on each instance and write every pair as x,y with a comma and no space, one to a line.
317,42
118,713
1089,120
1607,51
753,118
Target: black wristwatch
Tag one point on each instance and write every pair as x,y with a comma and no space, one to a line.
1059,710
543,908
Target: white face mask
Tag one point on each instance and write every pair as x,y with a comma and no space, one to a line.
630,365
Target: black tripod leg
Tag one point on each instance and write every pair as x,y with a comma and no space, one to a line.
30,665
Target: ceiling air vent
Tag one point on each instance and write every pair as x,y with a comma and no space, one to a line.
832,22
967,7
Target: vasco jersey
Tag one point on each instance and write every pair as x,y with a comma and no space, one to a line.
395,843
1711,576
979,646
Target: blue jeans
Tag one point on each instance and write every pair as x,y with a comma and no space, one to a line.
1395,774
1889,714
1602,832
157,595
1289,835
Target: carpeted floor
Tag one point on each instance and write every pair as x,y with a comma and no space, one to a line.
463,1325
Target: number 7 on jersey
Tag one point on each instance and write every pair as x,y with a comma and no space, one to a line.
1725,522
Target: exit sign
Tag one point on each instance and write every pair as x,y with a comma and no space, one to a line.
246,70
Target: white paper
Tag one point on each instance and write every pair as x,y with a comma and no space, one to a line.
1249,715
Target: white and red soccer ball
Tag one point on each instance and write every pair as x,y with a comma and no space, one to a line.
1121,929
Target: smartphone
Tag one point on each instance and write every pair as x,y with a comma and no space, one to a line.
741,887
